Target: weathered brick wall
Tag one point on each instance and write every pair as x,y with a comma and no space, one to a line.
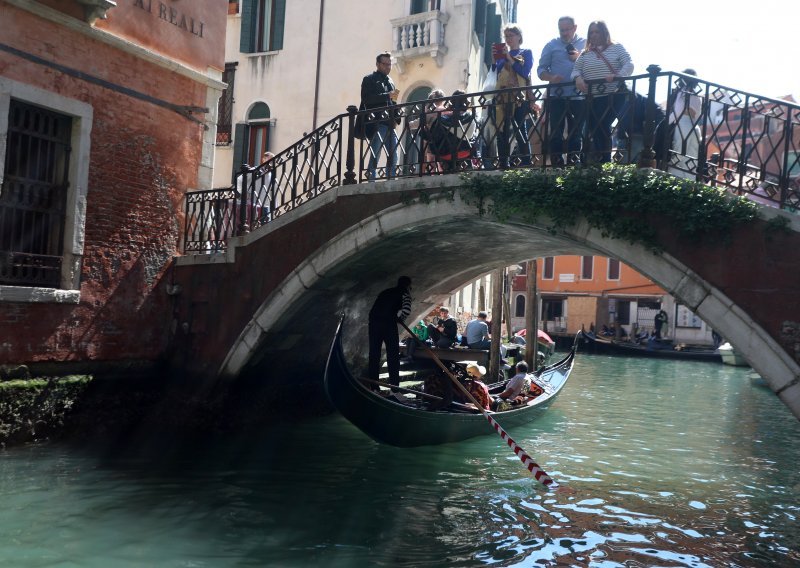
143,159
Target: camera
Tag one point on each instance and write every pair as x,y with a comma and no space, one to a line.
571,48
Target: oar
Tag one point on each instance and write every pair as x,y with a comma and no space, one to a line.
532,466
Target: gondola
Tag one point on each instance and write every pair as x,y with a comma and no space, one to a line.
654,348
410,421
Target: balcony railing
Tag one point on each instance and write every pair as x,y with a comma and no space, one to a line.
743,142
419,35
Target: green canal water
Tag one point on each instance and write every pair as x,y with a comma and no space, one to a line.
671,463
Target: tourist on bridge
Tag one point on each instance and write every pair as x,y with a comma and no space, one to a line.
686,110
514,66
565,107
378,92
602,59
393,305
445,333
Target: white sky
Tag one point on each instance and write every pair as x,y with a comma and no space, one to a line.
748,46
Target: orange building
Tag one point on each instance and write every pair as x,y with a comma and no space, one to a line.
578,292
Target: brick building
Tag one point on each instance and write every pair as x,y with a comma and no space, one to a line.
107,114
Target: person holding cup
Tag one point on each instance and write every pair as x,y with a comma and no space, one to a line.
379,93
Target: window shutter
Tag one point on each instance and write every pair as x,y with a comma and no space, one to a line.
480,20
240,139
246,37
277,29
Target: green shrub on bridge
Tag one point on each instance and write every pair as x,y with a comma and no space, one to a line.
623,202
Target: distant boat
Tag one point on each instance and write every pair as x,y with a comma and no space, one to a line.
409,421
654,348
731,357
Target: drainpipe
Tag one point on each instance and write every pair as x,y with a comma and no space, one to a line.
319,57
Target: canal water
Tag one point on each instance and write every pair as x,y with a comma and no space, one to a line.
671,464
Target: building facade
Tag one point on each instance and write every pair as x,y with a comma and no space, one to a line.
292,66
584,292
107,116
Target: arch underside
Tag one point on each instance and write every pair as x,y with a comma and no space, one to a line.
442,245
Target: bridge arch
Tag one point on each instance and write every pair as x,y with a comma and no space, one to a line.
441,243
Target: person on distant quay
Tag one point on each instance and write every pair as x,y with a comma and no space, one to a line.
565,107
477,332
378,92
445,333
602,59
660,321
391,306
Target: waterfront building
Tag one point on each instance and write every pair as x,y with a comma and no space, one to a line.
107,114
578,292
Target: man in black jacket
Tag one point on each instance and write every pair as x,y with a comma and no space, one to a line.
378,92
445,332
391,305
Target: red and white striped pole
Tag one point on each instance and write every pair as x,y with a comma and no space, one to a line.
540,475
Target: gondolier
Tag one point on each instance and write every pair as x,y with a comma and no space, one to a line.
391,305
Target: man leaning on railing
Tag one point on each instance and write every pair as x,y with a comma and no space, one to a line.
378,92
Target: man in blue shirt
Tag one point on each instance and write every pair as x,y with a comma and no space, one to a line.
564,106
477,332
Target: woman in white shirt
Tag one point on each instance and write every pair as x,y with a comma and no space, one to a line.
601,59
683,119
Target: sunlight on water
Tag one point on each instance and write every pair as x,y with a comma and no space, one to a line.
671,463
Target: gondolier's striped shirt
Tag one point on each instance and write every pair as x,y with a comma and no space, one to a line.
405,308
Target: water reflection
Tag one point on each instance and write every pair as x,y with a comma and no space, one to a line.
673,463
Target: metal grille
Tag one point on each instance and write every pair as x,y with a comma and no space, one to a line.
225,108
33,196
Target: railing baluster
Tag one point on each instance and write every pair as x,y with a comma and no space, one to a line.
213,216
647,159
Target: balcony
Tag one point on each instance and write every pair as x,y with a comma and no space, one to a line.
419,35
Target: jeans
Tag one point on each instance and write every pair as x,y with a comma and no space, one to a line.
384,137
569,112
603,110
517,123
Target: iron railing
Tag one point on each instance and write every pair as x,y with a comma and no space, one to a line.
700,130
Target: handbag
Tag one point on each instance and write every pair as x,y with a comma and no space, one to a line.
622,86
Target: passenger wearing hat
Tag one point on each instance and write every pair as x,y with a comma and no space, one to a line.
476,387
391,305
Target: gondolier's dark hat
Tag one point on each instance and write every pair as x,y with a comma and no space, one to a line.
404,282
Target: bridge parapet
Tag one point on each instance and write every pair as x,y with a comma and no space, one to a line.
686,126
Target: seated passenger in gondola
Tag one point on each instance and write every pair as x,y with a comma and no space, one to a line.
445,333
518,385
476,387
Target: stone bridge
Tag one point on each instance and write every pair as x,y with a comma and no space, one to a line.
268,305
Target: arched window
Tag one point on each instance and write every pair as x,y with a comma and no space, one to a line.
252,137
258,121
519,306
410,145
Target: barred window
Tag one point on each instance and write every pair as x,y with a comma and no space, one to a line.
225,108
33,196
